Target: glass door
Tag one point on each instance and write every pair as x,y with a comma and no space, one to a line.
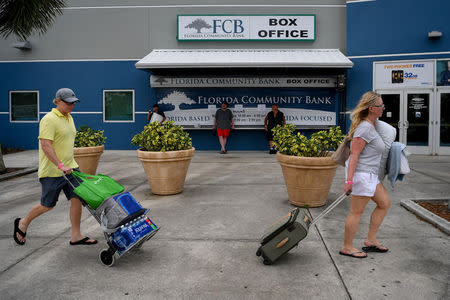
391,114
410,112
417,121
443,123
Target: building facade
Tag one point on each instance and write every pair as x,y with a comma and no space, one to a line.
313,58
402,51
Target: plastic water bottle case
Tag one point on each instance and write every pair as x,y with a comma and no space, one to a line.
119,240
141,228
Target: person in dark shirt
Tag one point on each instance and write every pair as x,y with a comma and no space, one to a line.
160,118
272,119
223,122
445,76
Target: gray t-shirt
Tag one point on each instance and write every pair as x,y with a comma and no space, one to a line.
370,157
223,118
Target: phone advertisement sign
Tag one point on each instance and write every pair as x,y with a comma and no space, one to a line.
400,74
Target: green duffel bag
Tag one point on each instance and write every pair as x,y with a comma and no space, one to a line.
94,189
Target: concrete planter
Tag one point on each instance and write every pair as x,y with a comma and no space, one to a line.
308,179
87,158
166,171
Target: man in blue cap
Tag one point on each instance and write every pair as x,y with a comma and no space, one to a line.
56,141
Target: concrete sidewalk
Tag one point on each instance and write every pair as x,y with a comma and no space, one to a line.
209,235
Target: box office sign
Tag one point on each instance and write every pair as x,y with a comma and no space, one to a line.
197,107
402,74
246,27
157,81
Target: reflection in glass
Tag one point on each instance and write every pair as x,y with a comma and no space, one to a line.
445,120
418,117
391,114
119,105
24,106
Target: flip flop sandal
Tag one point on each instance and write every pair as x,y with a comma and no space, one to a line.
353,254
83,242
374,248
18,231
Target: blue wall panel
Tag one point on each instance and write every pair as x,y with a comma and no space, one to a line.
396,26
392,29
88,79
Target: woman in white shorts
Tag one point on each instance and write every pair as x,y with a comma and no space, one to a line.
361,169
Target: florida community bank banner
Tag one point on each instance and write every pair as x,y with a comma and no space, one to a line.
197,107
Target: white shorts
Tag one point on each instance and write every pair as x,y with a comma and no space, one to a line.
364,184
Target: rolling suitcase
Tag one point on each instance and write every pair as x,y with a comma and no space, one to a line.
287,232
284,235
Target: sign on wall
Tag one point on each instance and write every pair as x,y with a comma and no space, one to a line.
400,74
246,27
157,81
197,107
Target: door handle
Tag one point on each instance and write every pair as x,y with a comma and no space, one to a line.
406,124
399,124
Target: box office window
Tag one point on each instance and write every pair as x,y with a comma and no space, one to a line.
118,105
24,106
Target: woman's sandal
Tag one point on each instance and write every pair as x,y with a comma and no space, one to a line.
353,254
374,248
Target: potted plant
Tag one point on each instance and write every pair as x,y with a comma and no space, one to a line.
89,146
165,153
307,166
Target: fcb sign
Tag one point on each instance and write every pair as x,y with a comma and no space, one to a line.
249,28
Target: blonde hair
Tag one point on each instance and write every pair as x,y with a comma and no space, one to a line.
361,111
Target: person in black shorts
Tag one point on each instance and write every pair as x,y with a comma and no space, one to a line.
272,119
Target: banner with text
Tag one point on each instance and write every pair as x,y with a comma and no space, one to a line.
245,27
197,107
157,81
402,74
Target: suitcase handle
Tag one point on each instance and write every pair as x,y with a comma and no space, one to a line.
329,208
282,243
294,214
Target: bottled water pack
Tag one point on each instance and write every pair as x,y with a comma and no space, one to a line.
132,232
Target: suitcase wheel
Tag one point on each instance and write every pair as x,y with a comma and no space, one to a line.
258,252
266,262
106,257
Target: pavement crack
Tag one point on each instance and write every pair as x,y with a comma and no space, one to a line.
31,253
334,263
431,176
183,239
36,249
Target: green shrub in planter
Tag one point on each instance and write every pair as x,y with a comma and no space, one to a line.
165,137
320,143
87,137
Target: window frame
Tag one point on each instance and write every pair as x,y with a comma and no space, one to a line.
133,106
10,106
